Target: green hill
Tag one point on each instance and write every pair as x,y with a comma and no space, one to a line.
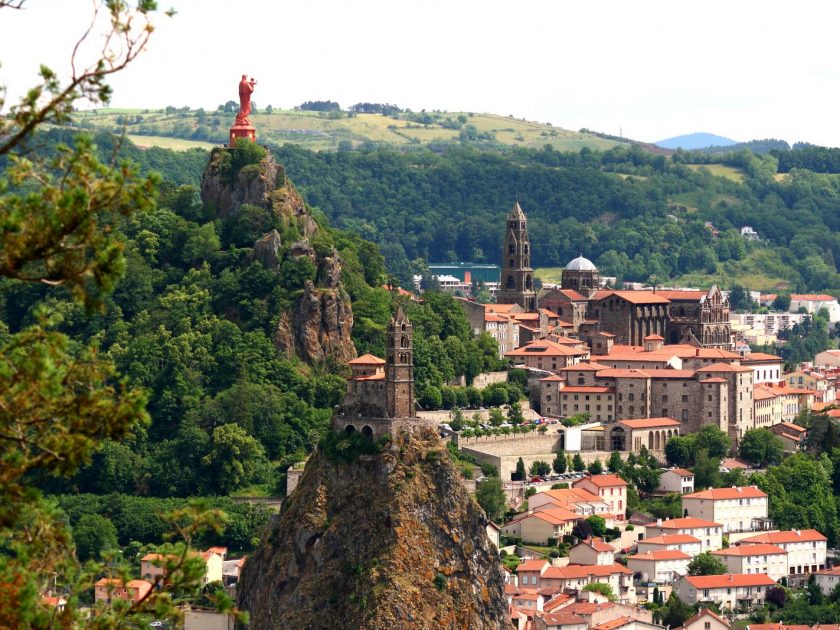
334,130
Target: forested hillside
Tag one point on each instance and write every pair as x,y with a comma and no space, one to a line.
194,324
633,213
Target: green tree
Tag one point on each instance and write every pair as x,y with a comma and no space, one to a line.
92,535
595,467
761,447
602,589
519,475
559,463
515,414
706,470
615,463
491,497
59,400
675,612
714,441
235,459
598,525
540,468
706,564
782,302
679,451
577,463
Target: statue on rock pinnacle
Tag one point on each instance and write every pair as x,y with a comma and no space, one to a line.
242,128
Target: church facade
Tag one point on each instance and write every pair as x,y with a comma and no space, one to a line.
380,393
700,318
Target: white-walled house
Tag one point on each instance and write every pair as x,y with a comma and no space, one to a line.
733,591
828,579
592,551
610,488
706,620
710,533
686,543
660,566
806,548
738,509
759,558
677,480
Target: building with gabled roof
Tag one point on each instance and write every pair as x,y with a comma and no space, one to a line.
678,480
733,591
710,533
108,589
758,558
738,509
543,354
610,488
660,566
705,619
806,549
686,543
592,551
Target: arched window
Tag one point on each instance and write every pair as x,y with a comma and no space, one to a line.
511,283
527,282
525,249
511,263
403,358
511,248
402,327
403,342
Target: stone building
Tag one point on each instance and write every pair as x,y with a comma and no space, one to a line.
517,280
701,316
380,394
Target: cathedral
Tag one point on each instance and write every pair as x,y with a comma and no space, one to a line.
699,318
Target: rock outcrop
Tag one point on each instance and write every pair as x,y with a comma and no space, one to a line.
320,321
391,541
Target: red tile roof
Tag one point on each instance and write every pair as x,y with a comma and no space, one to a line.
545,348
612,624
831,571
562,619
584,366
660,555
366,359
622,373
602,481
597,544
682,472
760,549
671,539
552,515
728,580
779,626
636,297
532,565
714,379
571,495
717,494
682,295
754,357
703,612
781,538
687,522
724,367
647,423
577,571
553,379
811,297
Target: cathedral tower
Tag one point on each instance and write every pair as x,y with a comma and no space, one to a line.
399,368
517,281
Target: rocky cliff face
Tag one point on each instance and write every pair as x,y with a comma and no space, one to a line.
391,541
320,321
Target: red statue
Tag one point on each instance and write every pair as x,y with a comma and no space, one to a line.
246,87
242,128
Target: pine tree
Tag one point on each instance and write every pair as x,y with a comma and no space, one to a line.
577,463
559,463
520,470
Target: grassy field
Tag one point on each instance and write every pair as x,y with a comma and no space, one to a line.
549,274
176,144
720,170
319,132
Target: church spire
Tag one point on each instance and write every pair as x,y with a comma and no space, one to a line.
517,284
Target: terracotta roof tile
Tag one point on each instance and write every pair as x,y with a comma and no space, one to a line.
717,494
728,580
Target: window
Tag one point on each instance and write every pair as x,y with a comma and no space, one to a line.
708,624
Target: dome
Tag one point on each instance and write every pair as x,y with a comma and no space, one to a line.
581,264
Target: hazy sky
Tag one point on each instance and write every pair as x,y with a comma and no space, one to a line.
652,69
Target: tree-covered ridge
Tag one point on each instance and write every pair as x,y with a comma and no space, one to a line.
193,324
633,213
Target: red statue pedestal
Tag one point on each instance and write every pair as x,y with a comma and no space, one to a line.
242,131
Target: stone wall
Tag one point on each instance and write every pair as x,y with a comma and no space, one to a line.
488,378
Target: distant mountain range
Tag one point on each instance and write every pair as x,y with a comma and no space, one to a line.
693,141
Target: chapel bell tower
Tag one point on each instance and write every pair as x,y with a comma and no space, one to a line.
399,367
517,281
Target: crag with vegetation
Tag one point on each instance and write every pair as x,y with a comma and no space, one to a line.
377,536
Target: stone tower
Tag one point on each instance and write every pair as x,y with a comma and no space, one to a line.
517,281
399,368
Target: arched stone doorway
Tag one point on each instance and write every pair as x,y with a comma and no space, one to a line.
367,431
349,429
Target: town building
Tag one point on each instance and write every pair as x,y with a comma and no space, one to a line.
705,619
661,566
542,525
708,532
156,566
690,545
592,551
548,355
542,575
806,549
828,579
733,591
677,480
738,509
827,358
767,368
759,558
109,589
792,435
517,279
609,488
814,303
